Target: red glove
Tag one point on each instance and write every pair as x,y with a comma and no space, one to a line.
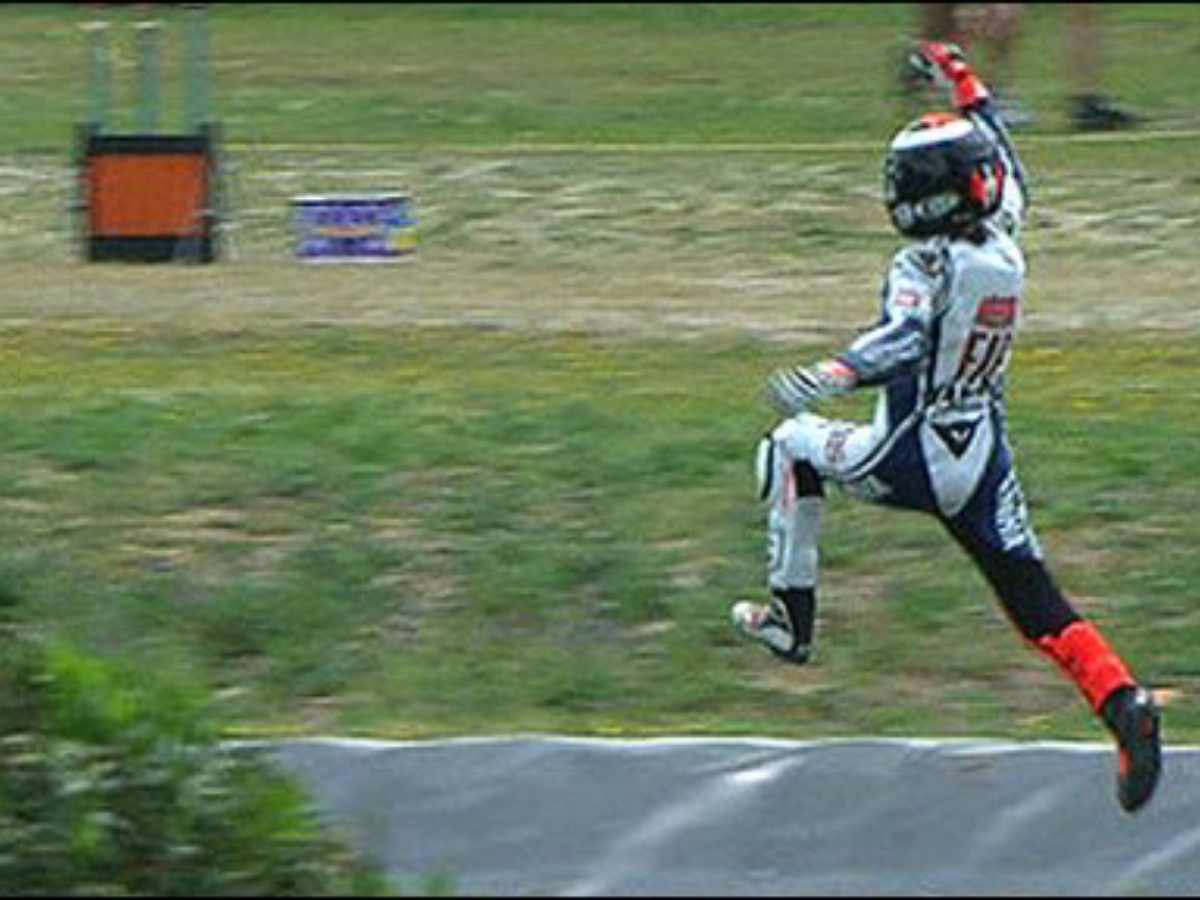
944,65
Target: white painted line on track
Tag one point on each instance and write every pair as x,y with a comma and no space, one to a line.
958,746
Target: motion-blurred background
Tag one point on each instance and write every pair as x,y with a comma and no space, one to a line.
503,483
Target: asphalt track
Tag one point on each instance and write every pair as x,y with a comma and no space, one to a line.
556,816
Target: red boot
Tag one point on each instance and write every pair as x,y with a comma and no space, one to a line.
1128,710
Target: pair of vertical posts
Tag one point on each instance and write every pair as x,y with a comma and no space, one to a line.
149,34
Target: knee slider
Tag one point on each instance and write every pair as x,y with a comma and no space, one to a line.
766,468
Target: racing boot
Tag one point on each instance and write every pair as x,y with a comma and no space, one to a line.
1095,112
1133,718
785,624
1126,708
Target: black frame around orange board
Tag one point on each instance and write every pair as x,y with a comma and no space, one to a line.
148,198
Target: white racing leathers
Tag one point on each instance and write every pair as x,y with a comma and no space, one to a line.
938,442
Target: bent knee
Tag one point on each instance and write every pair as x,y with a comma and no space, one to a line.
780,474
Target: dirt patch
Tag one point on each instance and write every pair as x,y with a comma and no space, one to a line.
637,245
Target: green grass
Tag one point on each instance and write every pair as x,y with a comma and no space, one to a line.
448,531
508,486
420,75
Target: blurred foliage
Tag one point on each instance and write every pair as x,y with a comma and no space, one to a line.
114,785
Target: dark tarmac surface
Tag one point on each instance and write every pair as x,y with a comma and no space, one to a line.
544,815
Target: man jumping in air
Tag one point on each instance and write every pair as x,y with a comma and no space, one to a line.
952,303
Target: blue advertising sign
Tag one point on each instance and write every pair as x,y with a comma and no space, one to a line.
354,228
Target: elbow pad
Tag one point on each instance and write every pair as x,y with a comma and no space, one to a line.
881,354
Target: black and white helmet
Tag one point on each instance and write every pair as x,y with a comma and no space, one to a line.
941,176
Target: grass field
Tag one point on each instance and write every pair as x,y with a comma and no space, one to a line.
485,74
507,486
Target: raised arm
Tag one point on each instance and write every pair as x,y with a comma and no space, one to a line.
944,66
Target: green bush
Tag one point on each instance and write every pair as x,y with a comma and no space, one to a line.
113,783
